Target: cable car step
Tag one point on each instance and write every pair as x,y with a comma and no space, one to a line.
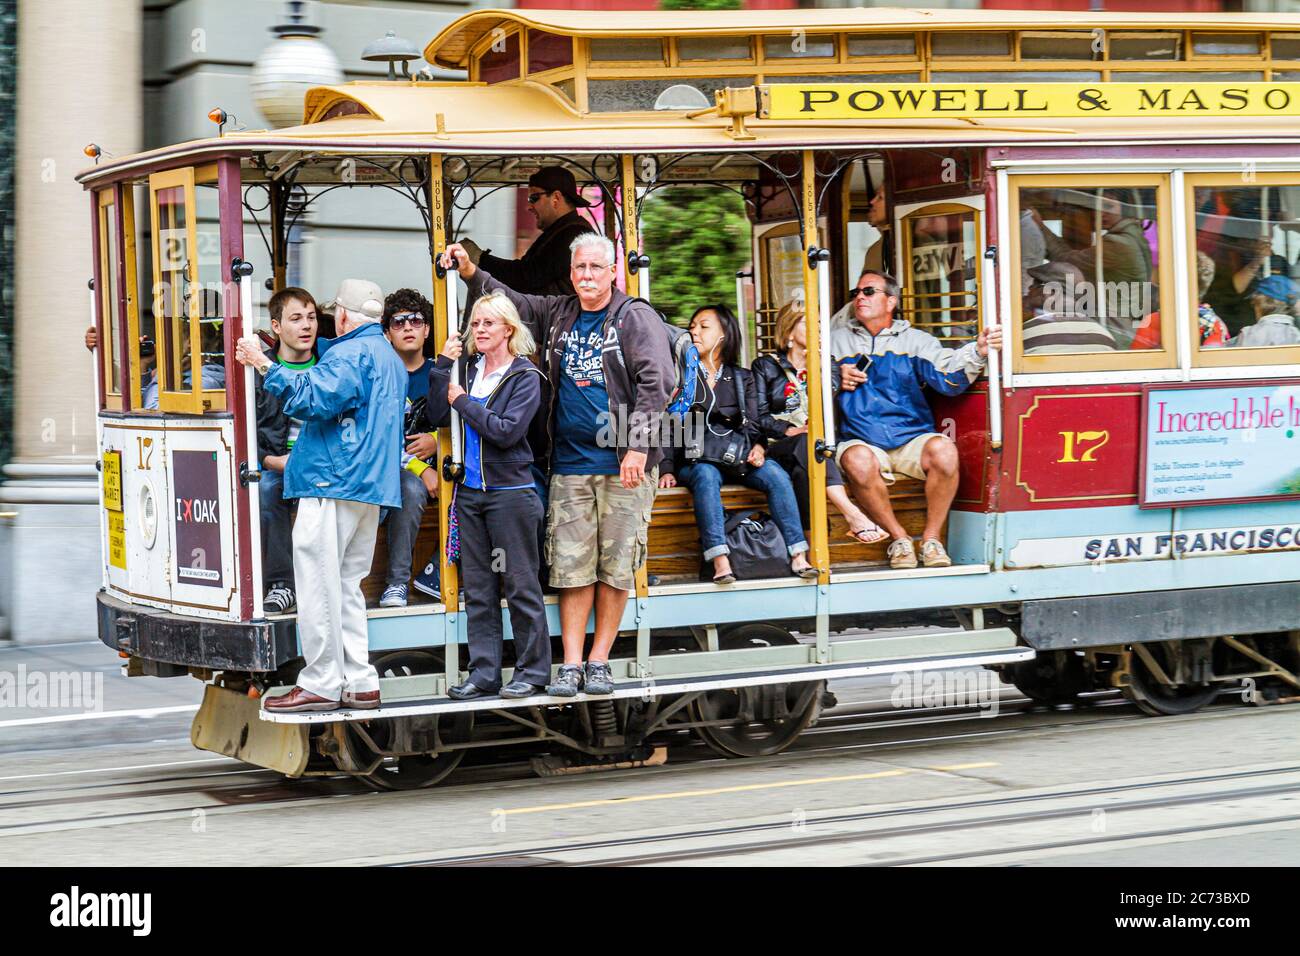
664,687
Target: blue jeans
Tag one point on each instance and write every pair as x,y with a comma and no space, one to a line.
705,481
403,527
277,530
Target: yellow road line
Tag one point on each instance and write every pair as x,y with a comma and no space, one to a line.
743,788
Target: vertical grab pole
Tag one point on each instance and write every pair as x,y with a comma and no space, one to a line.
453,328
988,298
746,356
637,284
436,198
816,284
243,273
817,309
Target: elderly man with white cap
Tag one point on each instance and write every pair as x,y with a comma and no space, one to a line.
343,470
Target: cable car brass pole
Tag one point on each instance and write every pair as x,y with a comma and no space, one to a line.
817,348
438,224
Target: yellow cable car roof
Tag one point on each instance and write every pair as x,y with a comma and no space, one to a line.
451,48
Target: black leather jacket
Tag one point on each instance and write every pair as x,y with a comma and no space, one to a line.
774,395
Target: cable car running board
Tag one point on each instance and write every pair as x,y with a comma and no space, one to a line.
650,688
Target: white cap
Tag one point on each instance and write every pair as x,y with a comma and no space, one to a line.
358,295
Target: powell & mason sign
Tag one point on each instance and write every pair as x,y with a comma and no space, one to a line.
928,101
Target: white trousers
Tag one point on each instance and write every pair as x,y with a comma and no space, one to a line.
333,548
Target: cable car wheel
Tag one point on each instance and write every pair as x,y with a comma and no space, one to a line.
1053,678
762,720
1156,697
408,771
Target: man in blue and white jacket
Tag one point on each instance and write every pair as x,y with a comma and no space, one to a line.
885,425
343,469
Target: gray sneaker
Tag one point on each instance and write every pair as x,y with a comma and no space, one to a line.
599,678
567,682
394,596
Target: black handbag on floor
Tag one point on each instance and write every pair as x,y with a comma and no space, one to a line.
757,548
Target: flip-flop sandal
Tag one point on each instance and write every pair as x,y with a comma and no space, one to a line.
857,536
807,573
728,578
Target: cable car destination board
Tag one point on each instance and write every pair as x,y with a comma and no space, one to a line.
928,101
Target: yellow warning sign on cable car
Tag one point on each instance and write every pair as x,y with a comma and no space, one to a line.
117,540
1028,100
112,475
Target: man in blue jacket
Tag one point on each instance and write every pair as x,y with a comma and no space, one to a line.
343,469
886,427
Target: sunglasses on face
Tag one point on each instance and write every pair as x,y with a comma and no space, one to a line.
866,291
402,319
533,198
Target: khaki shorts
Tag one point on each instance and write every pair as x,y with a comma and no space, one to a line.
596,529
903,460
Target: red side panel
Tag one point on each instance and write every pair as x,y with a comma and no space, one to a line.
232,247
965,419
1071,447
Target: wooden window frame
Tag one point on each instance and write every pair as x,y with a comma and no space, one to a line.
108,291
1118,361
907,297
1247,358
191,401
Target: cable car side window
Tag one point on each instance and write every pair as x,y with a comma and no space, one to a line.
107,290
1244,264
941,280
1091,274
186,295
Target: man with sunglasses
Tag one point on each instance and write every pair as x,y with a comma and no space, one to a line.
885,424
408,318
554,201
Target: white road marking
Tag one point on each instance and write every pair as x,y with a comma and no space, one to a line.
100,715
138,766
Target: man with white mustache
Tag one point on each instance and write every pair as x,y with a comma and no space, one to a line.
610,371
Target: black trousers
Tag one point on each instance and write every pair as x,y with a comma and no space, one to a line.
498,557
791,453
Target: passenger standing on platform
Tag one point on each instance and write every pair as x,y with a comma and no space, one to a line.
886,424
554,201
612,374
498,512
297,348
343,469
408,318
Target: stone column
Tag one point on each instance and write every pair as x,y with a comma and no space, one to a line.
78,82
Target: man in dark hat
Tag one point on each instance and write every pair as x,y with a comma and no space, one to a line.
554,201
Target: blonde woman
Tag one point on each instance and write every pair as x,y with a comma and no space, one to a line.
781,380
497,510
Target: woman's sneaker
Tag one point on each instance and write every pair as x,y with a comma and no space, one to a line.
599,678
429,581
279,600
567,682
394,596
902,554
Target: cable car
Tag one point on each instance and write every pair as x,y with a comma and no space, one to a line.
1105,187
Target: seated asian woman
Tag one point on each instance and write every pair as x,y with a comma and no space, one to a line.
781,379
726,401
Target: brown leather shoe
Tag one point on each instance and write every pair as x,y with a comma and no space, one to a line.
366,700
299,701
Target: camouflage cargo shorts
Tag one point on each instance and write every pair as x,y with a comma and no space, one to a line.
596,529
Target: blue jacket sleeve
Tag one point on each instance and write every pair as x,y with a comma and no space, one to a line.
509,426
326,390
947,371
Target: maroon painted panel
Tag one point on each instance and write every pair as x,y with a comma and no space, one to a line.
232,247
1071,447
966,419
